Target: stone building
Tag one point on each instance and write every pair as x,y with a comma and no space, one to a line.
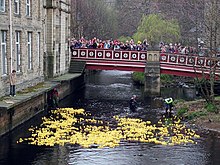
33,41
21,42
57,29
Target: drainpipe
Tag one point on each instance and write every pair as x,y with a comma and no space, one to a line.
11,38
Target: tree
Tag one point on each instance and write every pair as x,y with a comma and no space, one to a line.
189,14
212,35
155,29
212,24
198,19
129,13
93,19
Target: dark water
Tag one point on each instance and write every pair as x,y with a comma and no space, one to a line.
106,94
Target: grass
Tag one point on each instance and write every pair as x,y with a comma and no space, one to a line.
166,78
139,78
217,98
27,90
182,111
196,114
31,89
211,107
199,110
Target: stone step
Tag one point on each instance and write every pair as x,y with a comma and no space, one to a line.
77,66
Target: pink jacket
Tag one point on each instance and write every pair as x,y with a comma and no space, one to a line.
12,79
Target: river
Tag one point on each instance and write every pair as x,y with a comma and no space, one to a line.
105,95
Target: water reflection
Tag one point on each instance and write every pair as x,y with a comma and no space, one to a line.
179,93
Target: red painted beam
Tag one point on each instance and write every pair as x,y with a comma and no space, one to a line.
110,67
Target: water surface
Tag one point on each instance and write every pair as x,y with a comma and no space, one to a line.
107,94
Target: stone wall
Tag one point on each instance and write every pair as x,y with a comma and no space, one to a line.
18,113
49,22
57,38
67,87
11,118
23,24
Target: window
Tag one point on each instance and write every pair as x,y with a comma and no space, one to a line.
2,5
38,48
17,6
3,52
28,8
29,51
18,50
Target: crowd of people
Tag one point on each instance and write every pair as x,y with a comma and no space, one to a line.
96,43
177,48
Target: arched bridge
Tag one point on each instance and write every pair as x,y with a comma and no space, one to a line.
174,64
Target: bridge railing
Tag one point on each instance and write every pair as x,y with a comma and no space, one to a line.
168,61
189,60
107,54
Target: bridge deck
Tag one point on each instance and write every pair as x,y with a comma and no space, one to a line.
174,64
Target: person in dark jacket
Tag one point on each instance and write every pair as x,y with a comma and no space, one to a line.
53,99
133,103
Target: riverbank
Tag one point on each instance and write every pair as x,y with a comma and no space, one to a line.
165,80
31,101
196,113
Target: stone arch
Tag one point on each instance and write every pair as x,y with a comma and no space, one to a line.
150,57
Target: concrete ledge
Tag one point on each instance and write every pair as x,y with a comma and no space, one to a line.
66,77
8,102
15,111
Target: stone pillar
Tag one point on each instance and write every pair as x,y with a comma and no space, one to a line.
152,73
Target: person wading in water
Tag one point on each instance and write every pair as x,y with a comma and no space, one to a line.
168,106
133,103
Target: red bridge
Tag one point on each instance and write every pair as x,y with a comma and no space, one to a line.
174,64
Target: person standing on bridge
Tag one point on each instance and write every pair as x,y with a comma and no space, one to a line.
145,44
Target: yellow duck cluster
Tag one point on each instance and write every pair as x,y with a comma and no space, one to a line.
74,126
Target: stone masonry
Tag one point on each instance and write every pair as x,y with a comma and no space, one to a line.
24,24
48,24
58,33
